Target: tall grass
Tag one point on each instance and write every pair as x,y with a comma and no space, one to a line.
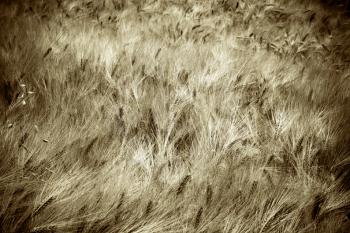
174,116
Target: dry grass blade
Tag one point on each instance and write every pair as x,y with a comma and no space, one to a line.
43,206
90,146
183,184
316,207
121,200
198,218
157,53
253,188
148,208
47,52
48,229
209,195
299,146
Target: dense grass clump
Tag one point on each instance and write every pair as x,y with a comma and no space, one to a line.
174,116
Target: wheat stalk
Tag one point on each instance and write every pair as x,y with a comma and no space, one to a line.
209,194
43,206
148,208
198,218
183,184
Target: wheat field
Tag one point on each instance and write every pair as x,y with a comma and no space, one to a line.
210,116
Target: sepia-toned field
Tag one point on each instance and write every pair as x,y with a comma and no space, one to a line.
210,116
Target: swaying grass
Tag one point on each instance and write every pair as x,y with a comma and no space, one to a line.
174,116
